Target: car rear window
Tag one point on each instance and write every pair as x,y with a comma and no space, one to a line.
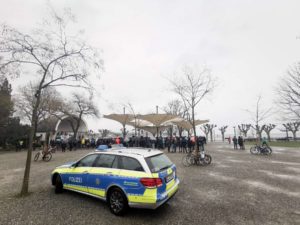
130,164
158,163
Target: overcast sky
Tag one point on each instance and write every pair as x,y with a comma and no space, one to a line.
248,45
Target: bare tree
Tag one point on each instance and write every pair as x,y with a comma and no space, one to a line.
223,130
55,57
208,129
50,103
244,128
78,107
286,131
211,128
293,127
193,87
104,132
205,130
268,128
259,115
175,107
289,93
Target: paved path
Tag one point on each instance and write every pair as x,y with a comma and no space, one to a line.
237,188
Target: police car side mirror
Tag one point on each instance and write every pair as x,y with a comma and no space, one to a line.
73,165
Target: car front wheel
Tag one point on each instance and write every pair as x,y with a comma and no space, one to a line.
58,184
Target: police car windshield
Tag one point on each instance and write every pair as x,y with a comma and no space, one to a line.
158,163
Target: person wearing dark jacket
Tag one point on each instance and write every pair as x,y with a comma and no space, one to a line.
241,142
235,141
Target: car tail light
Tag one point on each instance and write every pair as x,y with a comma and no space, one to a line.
151,182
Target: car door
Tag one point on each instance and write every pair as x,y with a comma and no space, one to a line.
77,175
104,172
130,175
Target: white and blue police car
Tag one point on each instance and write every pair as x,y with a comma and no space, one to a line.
129,177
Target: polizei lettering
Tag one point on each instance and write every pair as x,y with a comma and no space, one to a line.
75,179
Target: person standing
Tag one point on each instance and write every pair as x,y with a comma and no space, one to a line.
235,142
63,143
118,141
168,143
174,144
240,142
189,143
184,145
82,142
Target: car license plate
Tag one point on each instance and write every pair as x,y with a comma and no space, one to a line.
169,177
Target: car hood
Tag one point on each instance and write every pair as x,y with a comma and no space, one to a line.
66,165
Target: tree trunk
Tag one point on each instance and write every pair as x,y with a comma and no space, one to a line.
193,119
294,135
223,136
124,132
269,136
180,131
77,126
25,184
194,126
258,133
211,136
47,139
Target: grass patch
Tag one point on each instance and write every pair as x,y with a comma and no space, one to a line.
289,144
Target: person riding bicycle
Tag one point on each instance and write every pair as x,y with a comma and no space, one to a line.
264,142
45,150
200,145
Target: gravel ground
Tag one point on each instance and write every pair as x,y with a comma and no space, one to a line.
237,188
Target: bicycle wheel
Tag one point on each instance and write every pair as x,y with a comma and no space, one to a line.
47,157
186,160
36,157
254,150
268,151
207,160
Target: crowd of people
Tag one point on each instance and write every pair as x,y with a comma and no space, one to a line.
173,144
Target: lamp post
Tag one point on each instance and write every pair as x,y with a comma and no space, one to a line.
124,126
157,127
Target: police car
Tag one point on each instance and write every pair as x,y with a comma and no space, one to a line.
138,178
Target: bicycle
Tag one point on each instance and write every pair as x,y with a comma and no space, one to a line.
197,158
46,156
261,149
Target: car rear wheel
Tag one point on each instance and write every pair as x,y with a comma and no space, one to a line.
58,184
117,202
